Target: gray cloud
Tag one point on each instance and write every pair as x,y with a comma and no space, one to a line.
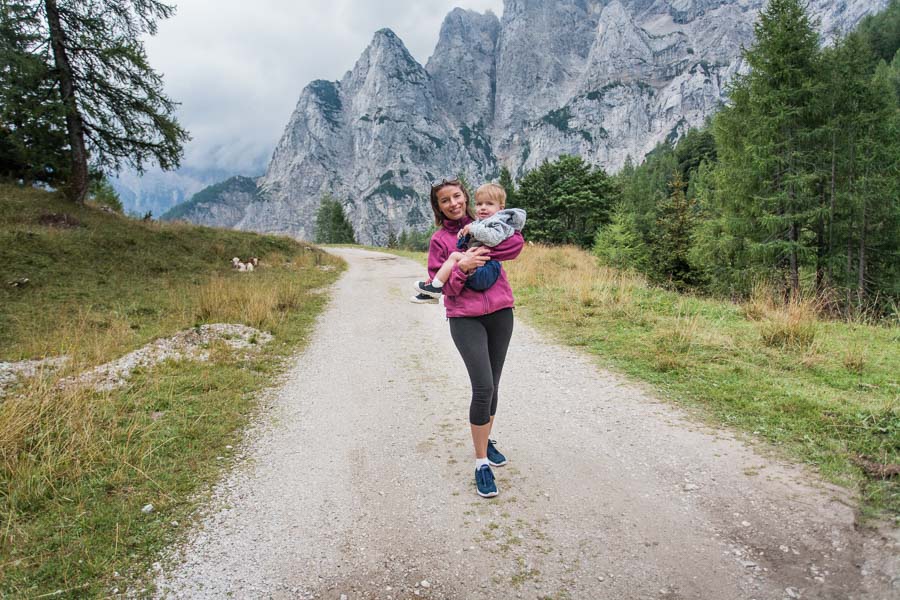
237,68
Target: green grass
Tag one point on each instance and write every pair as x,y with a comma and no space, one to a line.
76,466
818,391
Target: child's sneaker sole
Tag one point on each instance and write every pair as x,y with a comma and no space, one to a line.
423,299
427,289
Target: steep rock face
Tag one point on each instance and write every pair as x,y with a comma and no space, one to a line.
373,140
603,79
648,78
463,67
540,57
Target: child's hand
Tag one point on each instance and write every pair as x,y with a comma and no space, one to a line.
463,232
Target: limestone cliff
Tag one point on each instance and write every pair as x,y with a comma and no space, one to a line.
603,79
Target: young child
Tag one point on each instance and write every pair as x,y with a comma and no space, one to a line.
495,224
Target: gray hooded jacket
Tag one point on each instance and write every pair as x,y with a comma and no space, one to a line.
496,228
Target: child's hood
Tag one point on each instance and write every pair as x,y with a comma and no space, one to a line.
514,217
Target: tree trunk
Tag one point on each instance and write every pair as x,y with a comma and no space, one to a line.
821,252
795,272
833,194
861,275
849,269
78,181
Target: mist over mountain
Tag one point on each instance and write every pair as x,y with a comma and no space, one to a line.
599,79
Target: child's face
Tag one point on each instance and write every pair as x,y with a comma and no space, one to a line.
485,206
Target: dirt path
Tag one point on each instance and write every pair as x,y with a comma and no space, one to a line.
361,486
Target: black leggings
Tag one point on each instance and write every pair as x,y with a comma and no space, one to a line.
482,342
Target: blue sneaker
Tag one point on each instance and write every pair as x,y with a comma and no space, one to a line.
484,481
493,455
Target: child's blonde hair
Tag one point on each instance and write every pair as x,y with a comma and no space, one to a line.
494,192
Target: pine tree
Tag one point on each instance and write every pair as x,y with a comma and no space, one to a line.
567,201
882,32
862,167
619,244
672,237
115,110
102,193
697,146
875,194
507,183
765,141
332,226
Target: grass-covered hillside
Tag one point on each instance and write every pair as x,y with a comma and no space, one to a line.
78,465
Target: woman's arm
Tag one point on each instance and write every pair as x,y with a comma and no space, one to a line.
437,254
472,259
509,248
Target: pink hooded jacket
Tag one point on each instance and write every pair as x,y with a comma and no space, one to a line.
459,300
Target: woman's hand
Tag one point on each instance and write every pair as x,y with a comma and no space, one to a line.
473,258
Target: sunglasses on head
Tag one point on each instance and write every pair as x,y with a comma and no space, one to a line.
437,183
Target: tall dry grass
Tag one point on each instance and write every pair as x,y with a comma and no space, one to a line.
573,275
48,435
260,304
789,323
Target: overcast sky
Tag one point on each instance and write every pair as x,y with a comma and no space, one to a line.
238,67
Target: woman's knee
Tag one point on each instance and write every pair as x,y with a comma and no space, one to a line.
482,403
480,415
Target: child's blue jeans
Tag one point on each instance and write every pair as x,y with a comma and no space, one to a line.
484,276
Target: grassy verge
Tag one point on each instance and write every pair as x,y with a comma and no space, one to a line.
824,392
76,465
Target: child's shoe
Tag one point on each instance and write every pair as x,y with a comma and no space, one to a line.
428,289
423,299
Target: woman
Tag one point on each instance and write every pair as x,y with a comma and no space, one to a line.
481,321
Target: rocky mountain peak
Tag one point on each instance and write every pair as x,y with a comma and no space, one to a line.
386,57
601,79
463,65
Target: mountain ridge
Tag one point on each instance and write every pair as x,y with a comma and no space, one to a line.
602,80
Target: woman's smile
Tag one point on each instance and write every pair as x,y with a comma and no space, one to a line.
452,202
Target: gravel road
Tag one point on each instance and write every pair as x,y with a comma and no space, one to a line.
359,483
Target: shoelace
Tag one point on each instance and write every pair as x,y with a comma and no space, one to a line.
487,476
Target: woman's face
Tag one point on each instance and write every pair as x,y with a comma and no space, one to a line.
452,202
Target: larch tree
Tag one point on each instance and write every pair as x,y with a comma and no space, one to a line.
116,112
32,119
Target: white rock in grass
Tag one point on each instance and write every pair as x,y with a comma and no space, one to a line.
147,509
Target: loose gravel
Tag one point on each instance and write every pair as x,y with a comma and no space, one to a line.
360,482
